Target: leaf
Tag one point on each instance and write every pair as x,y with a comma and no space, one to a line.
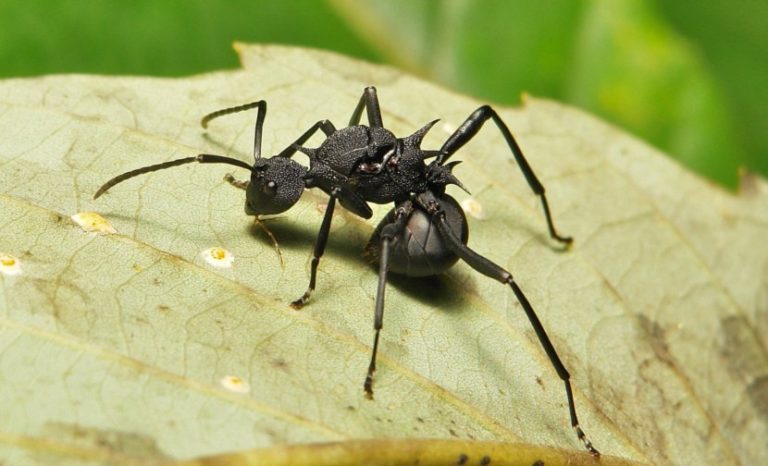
129,348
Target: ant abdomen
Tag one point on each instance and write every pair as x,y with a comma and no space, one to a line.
418,250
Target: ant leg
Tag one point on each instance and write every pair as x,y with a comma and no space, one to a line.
470,128
370,101
260,223
262,113
325,125
322,239
239,184
388,233
490,269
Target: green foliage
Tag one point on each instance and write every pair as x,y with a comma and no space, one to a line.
687,76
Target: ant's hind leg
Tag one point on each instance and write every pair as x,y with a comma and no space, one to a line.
492,270
470,128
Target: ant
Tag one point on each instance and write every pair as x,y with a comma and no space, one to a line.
424,234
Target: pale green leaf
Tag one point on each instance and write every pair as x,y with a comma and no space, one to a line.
115,348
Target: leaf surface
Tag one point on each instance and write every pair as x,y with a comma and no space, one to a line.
124,347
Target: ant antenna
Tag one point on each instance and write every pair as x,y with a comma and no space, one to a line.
202,158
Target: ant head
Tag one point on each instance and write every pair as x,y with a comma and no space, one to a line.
276,184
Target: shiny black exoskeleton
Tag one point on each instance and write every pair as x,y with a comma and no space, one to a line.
424,234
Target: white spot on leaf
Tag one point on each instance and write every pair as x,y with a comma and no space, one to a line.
92,222
235,384
9,265
473,208
218,257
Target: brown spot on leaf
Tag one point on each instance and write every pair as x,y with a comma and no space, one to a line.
740,349
657,338
279,363
758,395
123,443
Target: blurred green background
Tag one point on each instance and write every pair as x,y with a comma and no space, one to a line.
689,76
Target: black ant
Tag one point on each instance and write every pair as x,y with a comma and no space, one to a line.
424,234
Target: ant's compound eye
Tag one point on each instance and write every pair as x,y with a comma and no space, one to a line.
276,184
270,188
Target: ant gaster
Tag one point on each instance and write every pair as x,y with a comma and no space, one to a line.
424,234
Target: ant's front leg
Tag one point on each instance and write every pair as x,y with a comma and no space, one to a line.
261,114
350,201
243,184
239,184
322,239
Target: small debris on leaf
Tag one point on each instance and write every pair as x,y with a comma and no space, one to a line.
235,384
473,208
91,222
9,265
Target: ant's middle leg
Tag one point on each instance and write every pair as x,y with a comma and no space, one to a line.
370,101
324,125
388,233
260,222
